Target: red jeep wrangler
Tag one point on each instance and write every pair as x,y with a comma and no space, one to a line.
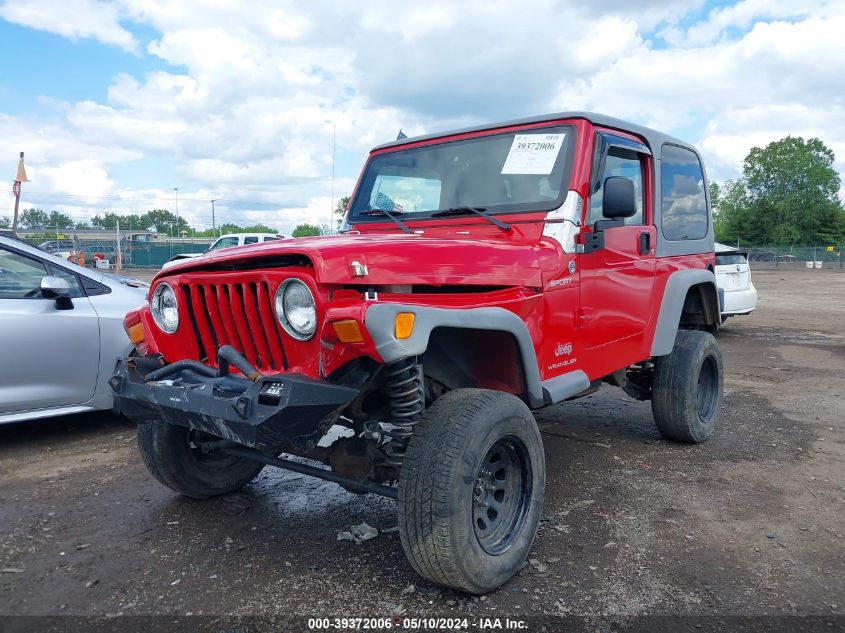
480,274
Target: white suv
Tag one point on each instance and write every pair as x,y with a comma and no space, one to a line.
227,241
733,275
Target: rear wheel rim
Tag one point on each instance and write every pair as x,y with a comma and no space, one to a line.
501,495
707,393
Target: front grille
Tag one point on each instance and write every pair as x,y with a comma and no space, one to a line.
239,314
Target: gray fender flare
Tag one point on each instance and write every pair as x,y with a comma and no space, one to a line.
672,305
380,319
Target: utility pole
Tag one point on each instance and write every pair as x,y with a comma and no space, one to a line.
20,177
213,224
178,232
334,150
117,262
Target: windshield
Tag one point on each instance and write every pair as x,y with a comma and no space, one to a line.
500,173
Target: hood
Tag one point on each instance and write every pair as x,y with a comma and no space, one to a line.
391,259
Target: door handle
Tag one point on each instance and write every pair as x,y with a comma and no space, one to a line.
645,243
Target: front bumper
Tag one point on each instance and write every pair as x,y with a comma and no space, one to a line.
265,413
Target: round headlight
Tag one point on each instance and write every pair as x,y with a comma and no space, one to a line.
164,308
296,309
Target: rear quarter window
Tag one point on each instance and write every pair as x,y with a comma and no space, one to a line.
682,198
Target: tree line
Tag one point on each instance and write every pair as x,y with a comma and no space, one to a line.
159,220
788,194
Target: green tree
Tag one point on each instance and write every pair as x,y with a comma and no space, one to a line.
305,230
106,221
60,220
110,220
223,229
715,195
256,228
340,210
5,222
163,221
733,220
33,219
793,192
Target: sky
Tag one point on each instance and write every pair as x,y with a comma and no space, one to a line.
125,106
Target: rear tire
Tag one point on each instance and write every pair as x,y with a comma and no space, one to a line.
688,387
168,455
471,490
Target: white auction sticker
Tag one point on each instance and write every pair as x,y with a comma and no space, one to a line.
533,154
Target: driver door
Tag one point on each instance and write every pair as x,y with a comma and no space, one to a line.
48,357
617,278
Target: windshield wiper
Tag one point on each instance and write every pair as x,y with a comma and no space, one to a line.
388,214
477,211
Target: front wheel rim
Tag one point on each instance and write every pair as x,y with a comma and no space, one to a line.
707,392
501,494
213,461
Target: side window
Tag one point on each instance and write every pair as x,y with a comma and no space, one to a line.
251,240
224,242
682,198
71,279
20,277
620,162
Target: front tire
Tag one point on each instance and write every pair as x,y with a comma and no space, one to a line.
688,387
471,490
168,455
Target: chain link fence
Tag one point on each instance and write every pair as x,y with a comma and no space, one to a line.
143,252
817,257
134,253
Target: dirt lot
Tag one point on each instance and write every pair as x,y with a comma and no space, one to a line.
749,523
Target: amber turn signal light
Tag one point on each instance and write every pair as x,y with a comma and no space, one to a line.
348,331
404,325
136,333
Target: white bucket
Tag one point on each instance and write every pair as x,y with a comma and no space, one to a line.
818,264
809,264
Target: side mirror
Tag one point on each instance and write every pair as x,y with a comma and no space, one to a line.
619,199
58,289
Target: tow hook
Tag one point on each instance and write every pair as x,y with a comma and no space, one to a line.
228,354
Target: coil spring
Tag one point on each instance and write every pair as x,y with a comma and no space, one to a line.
404,390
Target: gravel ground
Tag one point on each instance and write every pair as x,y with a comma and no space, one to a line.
749,523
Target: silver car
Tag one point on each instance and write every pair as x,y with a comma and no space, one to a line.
61,331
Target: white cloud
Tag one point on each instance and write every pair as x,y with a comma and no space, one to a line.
247,108
78,177
743,15
74,19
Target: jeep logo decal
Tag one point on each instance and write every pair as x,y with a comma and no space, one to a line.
563,349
